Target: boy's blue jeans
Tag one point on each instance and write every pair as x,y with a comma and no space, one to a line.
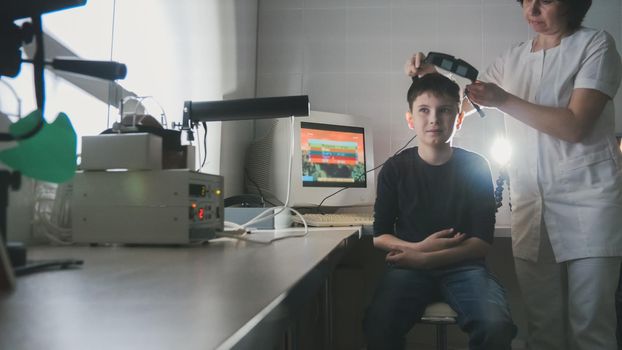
474,293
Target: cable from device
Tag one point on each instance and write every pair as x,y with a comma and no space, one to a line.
204,144
265,215
273,211
52,216
368,171
199,146
247,175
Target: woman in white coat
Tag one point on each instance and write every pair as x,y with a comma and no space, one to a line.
556,92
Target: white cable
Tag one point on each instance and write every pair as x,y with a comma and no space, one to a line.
291,160
244,234
241,238
234,226
199,148
51,213
274,211
54,236
265,215
279,209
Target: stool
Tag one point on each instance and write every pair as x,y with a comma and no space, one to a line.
439,314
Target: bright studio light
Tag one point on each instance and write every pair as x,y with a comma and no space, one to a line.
501,151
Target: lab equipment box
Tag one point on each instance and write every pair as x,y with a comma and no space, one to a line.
176,206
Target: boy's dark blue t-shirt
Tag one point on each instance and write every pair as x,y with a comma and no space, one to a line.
415,199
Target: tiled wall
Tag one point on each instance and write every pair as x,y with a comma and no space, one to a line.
348,55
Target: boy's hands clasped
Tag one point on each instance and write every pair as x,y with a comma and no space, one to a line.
441,240
413,255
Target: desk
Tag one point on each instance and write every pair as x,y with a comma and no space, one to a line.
227,294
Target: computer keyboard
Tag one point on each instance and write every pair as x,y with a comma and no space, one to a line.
341,219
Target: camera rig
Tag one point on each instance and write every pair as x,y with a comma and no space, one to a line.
12,38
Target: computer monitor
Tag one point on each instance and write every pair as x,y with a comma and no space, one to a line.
331,151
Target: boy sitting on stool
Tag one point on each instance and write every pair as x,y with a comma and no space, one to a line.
435,216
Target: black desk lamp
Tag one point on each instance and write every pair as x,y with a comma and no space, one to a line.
243,109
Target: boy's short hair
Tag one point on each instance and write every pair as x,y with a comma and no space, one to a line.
435,83
576,11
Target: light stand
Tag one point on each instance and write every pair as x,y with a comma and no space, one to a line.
501,180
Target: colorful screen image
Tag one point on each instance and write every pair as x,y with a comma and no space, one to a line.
332,155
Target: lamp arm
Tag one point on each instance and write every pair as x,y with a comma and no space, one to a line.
39,63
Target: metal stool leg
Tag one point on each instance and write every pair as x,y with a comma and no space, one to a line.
440,315
441,337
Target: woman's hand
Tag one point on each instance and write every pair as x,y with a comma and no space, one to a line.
415,66
486,94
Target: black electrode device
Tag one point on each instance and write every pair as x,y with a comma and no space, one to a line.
456,66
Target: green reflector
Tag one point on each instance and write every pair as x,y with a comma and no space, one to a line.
49,155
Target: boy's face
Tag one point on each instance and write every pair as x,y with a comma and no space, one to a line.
434,119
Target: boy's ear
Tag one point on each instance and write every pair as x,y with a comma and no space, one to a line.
459,120
409,120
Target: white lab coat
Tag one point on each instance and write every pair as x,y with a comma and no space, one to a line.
575,187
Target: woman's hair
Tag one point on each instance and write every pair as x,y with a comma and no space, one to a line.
576,11
435,83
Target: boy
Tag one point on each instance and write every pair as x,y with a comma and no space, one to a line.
435,216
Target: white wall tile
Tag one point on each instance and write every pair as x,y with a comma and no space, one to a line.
279,84
280,4
460,32
327,91
408,3
605,15
492,2
280,47
413,29
324,37
368,40
323,4
367,95
502,27
398,107
369,3
452,3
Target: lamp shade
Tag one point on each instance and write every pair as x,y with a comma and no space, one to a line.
249,108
